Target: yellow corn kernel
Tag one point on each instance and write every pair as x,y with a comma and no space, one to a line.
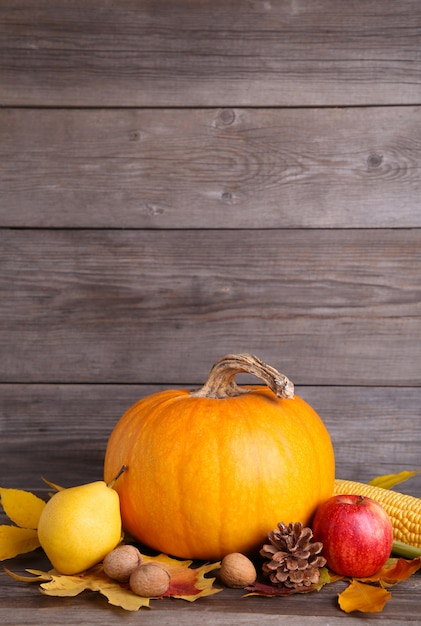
404,511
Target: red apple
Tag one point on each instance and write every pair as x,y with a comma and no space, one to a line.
356,533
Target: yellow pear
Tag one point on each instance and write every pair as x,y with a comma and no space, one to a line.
79,526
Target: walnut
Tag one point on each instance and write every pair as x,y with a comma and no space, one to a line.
237,570
120,562
150,580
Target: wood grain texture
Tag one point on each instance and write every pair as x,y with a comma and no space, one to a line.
213,168
327,307
187,178
228,608
219,52
61,431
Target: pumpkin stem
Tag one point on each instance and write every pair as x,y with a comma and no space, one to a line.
221,383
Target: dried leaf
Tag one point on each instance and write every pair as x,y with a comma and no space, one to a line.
272,591
264,589
121,596
359,596
394,571
187,583
62,585
22,507
387,481
55,584
53,485
14,541
38,576
369,598
93,580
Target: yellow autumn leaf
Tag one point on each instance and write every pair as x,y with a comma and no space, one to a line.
362,597
187,583
21,507
387,481
53,485
14,541
55,584
37,576
94,580
61,585
117,594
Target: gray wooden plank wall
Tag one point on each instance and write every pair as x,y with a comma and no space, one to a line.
184,179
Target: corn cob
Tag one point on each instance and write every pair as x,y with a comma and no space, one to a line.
403,510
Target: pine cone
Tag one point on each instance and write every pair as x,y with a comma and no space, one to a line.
293,557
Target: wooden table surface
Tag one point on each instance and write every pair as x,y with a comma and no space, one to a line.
22,604
69,451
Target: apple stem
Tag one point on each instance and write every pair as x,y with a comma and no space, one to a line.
360,499
121,471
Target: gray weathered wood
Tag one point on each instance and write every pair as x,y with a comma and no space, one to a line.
61,431
214,168
183,179
227,608
327,307
212,53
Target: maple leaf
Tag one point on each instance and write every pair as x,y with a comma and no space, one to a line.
37,576
94,580
24,509
186,583
55,584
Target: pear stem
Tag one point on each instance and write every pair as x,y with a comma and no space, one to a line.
121,471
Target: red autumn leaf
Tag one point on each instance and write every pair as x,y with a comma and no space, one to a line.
269,591
264,589
188,583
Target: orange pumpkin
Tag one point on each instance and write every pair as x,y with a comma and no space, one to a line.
210,472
